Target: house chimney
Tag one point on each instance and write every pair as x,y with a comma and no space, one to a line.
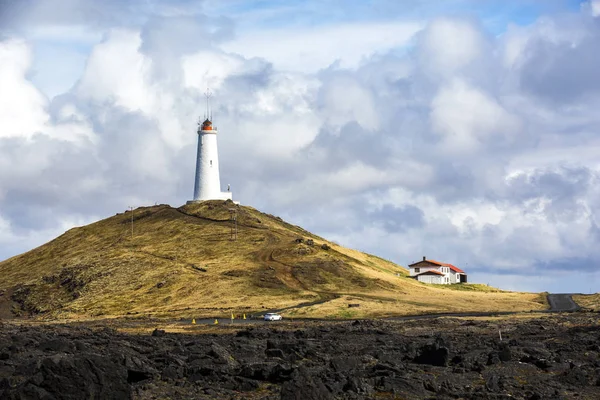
424,259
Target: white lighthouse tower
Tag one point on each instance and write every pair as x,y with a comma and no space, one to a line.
208,184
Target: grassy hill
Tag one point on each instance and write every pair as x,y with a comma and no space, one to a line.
588,301
182,262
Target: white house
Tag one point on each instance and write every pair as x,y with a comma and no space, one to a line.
431,271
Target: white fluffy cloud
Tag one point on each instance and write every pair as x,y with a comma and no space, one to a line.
400,138
448,46
308,50
467,118
595,8
22,106
117,72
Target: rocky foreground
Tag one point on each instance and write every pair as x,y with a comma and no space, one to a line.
557,357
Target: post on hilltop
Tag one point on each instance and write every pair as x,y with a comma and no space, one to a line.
131,208
234,228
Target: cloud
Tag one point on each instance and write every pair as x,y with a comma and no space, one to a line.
595,8
398,218
24,14
401,138
448,46
22,106
468,118
571,67
315,48
344,99
117,72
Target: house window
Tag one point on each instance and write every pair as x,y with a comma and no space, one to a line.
417,270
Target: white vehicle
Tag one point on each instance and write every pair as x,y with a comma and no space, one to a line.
273,317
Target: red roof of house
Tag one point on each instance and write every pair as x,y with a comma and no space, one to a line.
431,271
452,267
441,264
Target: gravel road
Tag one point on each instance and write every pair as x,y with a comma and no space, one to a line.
560,302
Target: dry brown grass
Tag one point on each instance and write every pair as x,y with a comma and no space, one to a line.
413,302
589,301
182,263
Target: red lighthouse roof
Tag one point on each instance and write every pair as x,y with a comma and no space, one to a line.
207,125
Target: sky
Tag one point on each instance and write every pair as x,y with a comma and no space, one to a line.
465,131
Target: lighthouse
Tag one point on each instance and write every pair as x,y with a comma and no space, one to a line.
208,184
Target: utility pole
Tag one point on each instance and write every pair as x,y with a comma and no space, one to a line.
234,228
131,208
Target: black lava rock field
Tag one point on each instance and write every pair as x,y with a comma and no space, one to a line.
554,357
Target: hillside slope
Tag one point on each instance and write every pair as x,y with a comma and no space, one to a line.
182,262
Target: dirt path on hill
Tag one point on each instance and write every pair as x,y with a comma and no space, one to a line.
324,298
282,271
201,217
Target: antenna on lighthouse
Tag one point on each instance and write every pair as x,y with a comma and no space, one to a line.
208,93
